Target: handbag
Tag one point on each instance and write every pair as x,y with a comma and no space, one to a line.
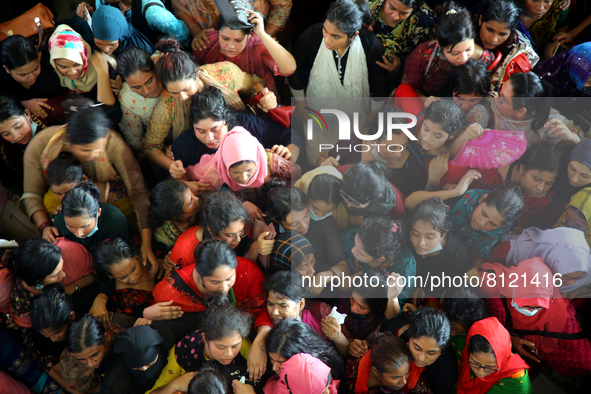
281,115
38,24
16,223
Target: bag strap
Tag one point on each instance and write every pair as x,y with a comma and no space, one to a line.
431,58
39,32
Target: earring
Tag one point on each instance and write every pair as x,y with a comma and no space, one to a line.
39,286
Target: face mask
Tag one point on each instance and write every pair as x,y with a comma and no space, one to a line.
586,91
357,316
437,248
523,311
94,230
376,155
315,217
34,127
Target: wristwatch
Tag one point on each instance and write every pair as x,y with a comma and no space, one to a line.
77,288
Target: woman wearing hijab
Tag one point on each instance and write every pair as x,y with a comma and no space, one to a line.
578,213
142,350
113,33
487,363
240,163
292,251
569,72
70,56
578,172
543,323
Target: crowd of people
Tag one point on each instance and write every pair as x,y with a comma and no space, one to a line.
190,236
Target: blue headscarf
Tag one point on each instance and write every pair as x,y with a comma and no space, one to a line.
109,24
567,72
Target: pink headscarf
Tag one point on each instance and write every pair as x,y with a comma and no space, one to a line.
238,145
301,374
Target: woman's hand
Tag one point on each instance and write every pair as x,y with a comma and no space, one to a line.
564,4
331,328
257,362
394,287
430,100
198,188
36,107
200,41
556,128
242,388
116,84
438,167
99,310
182,382
177,170
473,132
389,65
358,348
268,101
253,211
163,311
519,343
49,233
465,182
100,64
142,321
262,246
257,20
282,151
331,161
81,10
409,308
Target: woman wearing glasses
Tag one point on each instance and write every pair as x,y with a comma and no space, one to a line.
488,366
225,219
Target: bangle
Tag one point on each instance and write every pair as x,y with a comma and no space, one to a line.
192,26
42,226
334,273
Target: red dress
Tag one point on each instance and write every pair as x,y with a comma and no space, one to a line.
248,291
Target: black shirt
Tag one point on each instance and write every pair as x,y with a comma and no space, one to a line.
47,85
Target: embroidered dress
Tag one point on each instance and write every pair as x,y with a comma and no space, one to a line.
137,112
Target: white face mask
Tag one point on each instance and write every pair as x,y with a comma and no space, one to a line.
438,247
94,230
523,311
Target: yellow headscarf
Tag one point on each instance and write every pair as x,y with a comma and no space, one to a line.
581,201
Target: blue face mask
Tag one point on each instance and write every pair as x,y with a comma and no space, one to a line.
523,311
437,248
94,230
315,217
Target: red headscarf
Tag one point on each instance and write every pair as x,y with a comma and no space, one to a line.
500,341
539,290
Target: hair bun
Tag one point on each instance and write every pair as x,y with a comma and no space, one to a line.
168,45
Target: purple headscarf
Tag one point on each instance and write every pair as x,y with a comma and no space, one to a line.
567,72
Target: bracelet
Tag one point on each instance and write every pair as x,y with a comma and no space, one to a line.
42,226
192,26
77,288
333,273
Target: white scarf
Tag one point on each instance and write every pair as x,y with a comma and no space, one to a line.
324,78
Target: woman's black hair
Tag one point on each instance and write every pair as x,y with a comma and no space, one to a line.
508,201
470,77
175,64
83,200
388,352
479,344
454,26
51,309
501,11
284,200
223,319
134,59
211,254
87,123
221,210
287,285
431,323
544,156
374,125
108,253
223,23
461,305
446,113
33,260
378,239
85,333
10,107
210,104
209,382
325,187
414,4
349,16
526,88
375,296
167,201
365,181
291,337
64,169
17,51
434,211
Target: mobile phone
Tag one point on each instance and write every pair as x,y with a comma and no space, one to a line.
390,58
530,351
